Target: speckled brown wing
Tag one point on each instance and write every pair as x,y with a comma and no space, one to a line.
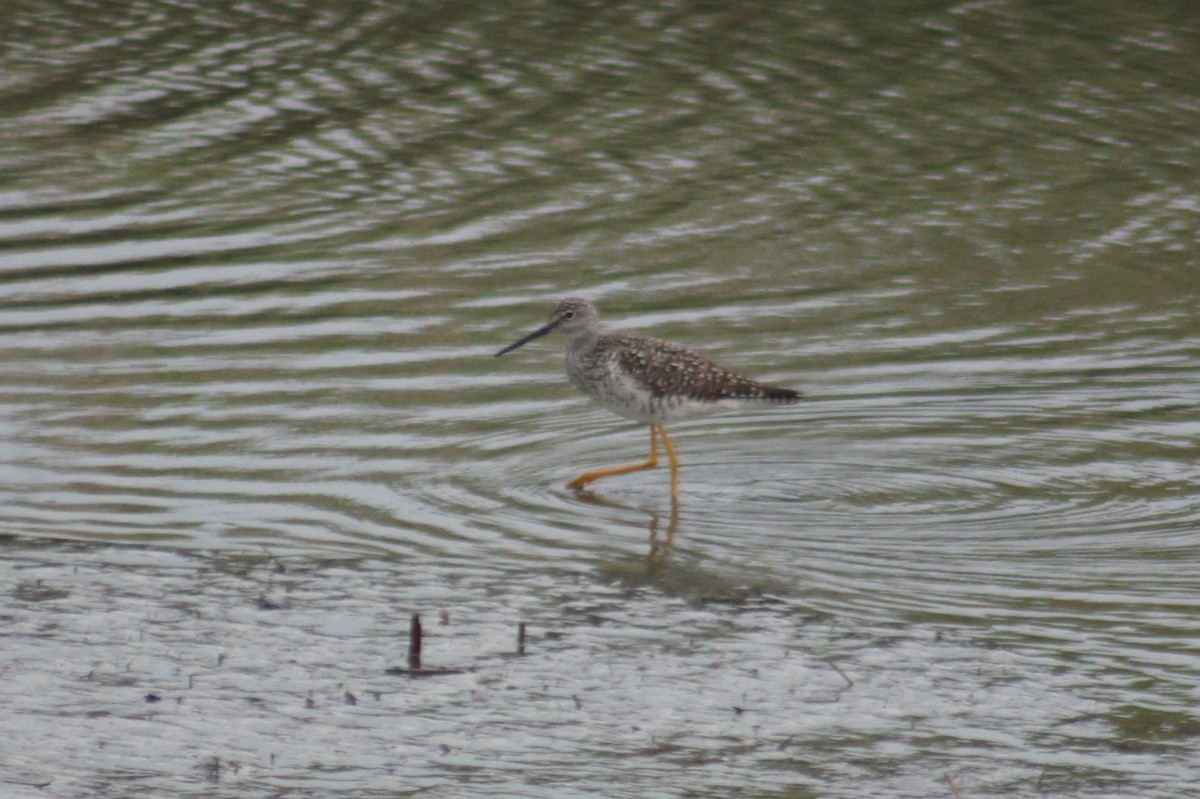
667,369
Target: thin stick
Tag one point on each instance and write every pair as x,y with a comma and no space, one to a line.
414,642
849,682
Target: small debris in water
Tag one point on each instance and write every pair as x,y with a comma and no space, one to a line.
267,604
849,682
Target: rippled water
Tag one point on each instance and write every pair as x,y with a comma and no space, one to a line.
255,261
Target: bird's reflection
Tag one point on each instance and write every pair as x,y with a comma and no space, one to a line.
660,550
661,543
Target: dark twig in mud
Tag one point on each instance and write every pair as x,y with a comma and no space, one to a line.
414,642
415,669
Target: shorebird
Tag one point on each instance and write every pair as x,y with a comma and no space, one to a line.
649,380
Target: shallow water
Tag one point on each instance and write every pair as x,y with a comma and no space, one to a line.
253,268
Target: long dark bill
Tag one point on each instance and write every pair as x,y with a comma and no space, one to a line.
541,331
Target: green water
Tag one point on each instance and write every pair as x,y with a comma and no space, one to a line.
255,260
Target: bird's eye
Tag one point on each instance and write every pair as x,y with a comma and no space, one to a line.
568,315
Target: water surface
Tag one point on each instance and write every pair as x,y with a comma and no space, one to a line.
254,263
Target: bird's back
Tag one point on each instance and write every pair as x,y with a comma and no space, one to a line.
655,381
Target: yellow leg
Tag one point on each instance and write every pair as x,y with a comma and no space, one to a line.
674,459
587,477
